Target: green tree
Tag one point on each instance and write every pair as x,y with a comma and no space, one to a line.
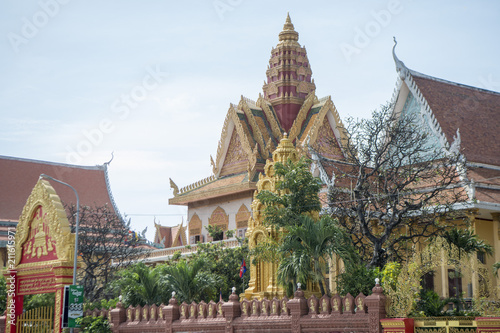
298,194
305,242
224,264
141,285
357,279
189,281
312,243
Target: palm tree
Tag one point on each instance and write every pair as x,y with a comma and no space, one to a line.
141,285
189,281
311,244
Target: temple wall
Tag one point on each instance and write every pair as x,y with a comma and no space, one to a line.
230,208
348,314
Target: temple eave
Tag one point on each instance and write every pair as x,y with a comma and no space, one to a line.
234,189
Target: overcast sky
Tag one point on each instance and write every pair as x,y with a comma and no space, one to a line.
152,81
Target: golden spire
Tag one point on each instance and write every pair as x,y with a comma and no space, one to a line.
289,36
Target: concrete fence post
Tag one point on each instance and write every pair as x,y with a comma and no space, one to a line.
376,308
298,308
117,315
171,313
231,310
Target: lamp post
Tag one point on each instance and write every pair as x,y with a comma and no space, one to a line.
76,228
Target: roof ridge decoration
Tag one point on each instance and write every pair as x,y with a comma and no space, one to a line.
313,132
323,175
400,66
108,188
225,136
405,74
195,185
257,134
271,118
301,116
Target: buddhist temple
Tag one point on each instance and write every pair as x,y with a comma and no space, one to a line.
461,119
251,132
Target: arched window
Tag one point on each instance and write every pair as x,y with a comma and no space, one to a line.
195,235
242,221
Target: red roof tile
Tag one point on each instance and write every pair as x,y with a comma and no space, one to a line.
18,177
476,112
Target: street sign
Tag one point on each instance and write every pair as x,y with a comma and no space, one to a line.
73,305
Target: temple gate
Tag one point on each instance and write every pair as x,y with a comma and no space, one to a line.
40,254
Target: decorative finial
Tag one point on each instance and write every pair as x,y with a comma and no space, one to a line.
377,280
234,290
400,66
173,294
120,298
289,35
298,285
285,135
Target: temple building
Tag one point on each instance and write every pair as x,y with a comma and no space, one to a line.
251,132
167,237
18,176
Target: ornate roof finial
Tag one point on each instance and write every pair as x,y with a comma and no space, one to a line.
289,35
400,66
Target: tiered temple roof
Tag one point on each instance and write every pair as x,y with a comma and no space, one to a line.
252,129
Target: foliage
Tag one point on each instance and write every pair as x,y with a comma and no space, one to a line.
390,275
357,279
430,304
105,246
102,304
304,242
38,300
91,324
189,281
466,242
141,285
402,298
3,294
298,194
400,180
224,264
215,232
496,267
486,307
310,244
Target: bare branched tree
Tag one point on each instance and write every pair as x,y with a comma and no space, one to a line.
396,185
105,246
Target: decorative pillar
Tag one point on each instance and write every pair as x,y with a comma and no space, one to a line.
58,310
171,313
298,308
444,275
14,306
376,307
231,310
471,215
